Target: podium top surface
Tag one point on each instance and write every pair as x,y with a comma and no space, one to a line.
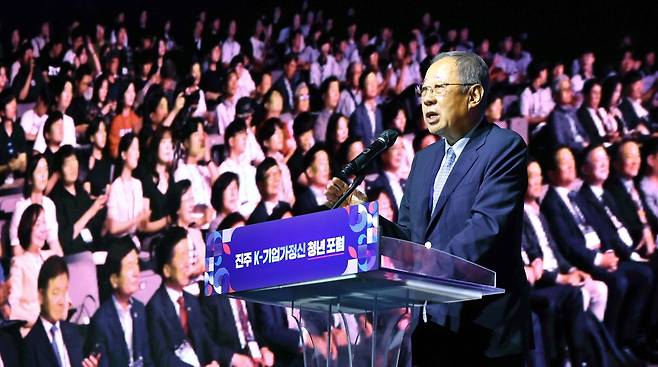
337,258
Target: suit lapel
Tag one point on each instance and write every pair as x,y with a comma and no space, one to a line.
428,181
170,314
117,331
48,351
466,160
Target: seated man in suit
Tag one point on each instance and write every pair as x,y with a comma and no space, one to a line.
389,177
583,246
118,328
563,124
635,114
175,322
545,256
231,324
621,186
54,342
288,81
366,121
268,181
318,173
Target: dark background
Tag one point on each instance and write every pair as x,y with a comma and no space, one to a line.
556,29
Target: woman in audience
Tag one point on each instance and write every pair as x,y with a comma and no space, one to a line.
270,137
156,113
101,104
127,209
397,119
337,132
126,119
99,168
36,180
155,173
225,197
80,218
24,297
610,100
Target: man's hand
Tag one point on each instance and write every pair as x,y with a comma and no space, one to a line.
609,260
91,361
337,188
241,360
529,274
538,267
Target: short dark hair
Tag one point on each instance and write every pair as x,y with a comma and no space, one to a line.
238,125
535,68
174,196
589,84
362,80
631,78
304,122
6,96
26,224
231,220
551,160
309,157
324,87
615,151
290,57
118,250
164,249
53,117
190,127
64,152
267,129
94,126
262,168
583,156
53,267
218,188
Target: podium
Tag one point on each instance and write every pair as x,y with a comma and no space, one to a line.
334,265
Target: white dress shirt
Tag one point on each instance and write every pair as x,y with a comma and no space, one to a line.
248,194
59,340
32,123
394,182
68,139
126,321
548,258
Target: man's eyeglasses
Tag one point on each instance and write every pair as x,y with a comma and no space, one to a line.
436,90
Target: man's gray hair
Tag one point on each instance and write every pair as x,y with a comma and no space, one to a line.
470,67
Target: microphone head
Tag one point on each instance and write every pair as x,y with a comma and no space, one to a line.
388,137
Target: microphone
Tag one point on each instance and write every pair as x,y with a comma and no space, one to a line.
361,162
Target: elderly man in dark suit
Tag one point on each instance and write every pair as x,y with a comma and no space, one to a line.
464,195
175,321
118,329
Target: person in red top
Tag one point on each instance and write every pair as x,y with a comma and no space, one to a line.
126,119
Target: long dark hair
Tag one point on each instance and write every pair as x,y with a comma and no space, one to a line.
151,151
332,129
608,87
29,172
124,145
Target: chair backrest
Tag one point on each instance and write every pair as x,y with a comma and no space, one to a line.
149,282
83,286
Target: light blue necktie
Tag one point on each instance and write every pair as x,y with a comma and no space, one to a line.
442,176
53,332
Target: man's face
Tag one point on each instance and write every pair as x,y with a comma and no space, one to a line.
393,157
127,281
534,181
54,299
291,69
177,271
449,108
565,94
306,141
272,182
566,168
333,95
371,86
597,168
239,142
636,90
319,171
629,164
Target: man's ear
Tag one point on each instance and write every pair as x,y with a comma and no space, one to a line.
475,94
166,271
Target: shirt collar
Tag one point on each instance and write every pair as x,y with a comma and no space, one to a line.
119,307
459,146
48,325
173,294
598,191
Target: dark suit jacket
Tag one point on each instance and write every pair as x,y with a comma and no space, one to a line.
530,243
380,181
627,212
221,325
167,333
105,330
360,126
38,351
565,230
560,131
305,202
478,217
260,213
601,222
280,86
630,117
272,326
9,349
588,124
